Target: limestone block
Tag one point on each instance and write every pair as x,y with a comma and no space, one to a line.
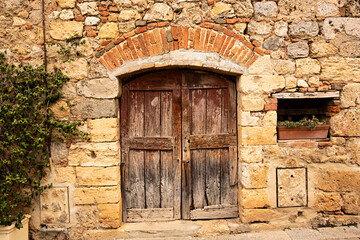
261,84
159,11
262,66
334,26
94,108
340,69
254,175
88,8
248,120
243,9
54,205
270,119
307,66
240,27
284,67
291,187
251,154
329,179
265,9
273,43
256,215
252,103
322,49
77,69
98,176
66,3
99,88
109,215
94,154
109,30
66,29
351,203
129,14
104,129
304,29
290,82
18,22
346,123
126,26
261,28
281,29
60,110
59,152
92,21
258,135
254,198
97,195
350,49
314,81
350,95
221,8
327,10
327,202
65,174
297,50
302,83
66,14
353,145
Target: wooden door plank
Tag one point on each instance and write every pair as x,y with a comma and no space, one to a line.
225,177
177,113
136,187
152,114
212,141
167,179
213,177
150,215
225,110
152,179
213,111
166,114
232,109
213,213
149,143
124,113
136,116
233,164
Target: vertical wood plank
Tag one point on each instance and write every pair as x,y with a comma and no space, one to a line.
152,114
167,179
177,147
152,179
225,177
166,114
225,110
233,165
213,111
136,189
136,116
232,108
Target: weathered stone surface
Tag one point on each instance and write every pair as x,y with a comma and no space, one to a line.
243,8
109,215
88,8
256,215
262,66
66,14
248,120
284,67
159,11
98,176
254,175
258,135
60,109
65,174
104,129
65,30
109,30
322,49
307,66
350,96
351,203
261,84
327,10
92,21
94,154
18,22
66,3
314,81
252,103
54,205
129,14
340,69
346,123
126,26
291,187
334,26
59,152
327,202
96,195
221,8
270,119
302,83
353,145
77,69
261,28
240,27
297,50
254,198
281,29
331,180
304,29
251,154
99,88
265,9
274,43
350,49
93,108
291,82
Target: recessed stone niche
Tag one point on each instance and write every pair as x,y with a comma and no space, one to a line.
54,205
291,187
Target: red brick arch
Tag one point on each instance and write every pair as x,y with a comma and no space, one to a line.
160,38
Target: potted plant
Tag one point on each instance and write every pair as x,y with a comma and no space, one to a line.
26,126
303,129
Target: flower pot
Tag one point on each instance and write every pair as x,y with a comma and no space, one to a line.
12,233
285,133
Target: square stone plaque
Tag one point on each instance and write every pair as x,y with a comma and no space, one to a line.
54,205
291,187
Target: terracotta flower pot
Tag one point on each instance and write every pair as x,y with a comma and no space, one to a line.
285,133
12,233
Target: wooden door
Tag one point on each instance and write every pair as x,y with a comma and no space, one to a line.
178,143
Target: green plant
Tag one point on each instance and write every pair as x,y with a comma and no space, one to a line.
310,123
69,48
26,126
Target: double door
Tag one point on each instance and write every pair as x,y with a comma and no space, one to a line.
179,147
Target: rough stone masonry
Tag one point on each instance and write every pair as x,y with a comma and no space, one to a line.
280,46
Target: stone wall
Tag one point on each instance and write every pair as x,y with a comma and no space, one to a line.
272,46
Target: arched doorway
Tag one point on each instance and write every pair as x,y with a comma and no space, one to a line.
179,146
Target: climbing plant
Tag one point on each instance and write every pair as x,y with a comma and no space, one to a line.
26,127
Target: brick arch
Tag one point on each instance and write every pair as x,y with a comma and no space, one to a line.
151,42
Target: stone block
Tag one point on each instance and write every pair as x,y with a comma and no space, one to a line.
350,49
351,203
334,26
66,3
304,29
77,69
314,81
243,9
109,215
65,174
104,130
322,49
261,28
297,50
159,11
254,175
265,9
327,202
54,205
92,21
99,88
307,66
59,152
248,120
274,43
97,195
94,108
94,154
251,154
346,123
66,29
256,215
109,30
332,180
281,29
261,84
284,67
290,82
126,26
254,198
88,8
262,66
350,96
270,119
60,110
129,15
353,145
291,187
66,14
340,69
327,10
258,135
252,103
98,176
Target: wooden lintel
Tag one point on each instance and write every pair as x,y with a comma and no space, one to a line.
299,95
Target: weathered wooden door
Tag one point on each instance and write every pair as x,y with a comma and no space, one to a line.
178,143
